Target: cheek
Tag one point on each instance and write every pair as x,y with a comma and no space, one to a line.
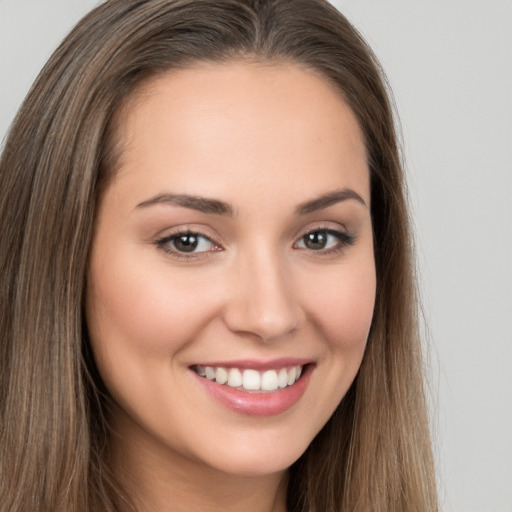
135,308
341,309
342,305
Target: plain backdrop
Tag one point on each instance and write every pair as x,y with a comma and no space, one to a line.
449,63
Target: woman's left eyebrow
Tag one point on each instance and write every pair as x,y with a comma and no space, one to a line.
326,200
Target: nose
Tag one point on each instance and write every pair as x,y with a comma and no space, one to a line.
262,300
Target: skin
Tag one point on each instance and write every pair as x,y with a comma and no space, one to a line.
265,139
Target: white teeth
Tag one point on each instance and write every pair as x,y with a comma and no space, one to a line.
235,378
250,379
292,373
282,378
269,381
221,375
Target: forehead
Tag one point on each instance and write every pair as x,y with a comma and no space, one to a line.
240,121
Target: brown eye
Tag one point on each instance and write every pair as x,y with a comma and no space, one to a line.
316,241
325,240
185,243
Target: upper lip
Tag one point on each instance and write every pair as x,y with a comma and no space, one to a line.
258,364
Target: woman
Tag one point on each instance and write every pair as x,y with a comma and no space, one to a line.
207,290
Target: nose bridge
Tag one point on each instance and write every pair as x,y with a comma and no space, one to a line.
263,301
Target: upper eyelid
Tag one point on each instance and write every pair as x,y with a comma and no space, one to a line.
168,238
343,234
323,228
334,227
189,230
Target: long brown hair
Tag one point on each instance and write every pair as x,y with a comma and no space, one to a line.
374,453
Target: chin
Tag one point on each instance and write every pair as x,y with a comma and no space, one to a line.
257,465
256,457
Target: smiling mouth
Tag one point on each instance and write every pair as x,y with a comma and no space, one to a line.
251,380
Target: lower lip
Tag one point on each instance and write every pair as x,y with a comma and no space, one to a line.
268,403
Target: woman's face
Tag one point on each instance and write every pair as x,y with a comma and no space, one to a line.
232,252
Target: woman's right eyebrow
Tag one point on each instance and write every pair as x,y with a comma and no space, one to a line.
199,203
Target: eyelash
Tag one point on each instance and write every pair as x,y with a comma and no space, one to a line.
163,244
344,240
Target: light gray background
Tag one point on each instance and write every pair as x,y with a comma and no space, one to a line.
450,65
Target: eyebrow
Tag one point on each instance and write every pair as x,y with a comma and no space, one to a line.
326,200
207,205
201,204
